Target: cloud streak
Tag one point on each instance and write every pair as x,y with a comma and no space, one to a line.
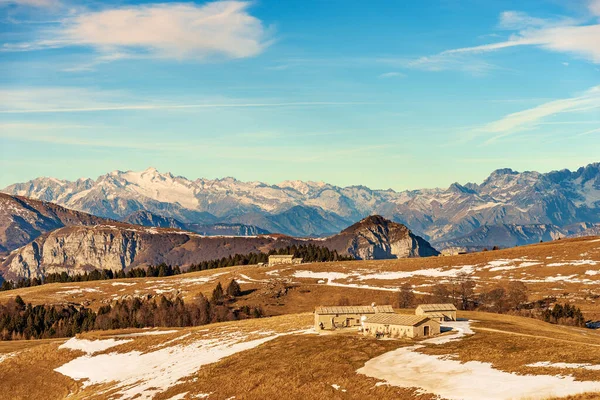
182,31
527,119
564,35
83,100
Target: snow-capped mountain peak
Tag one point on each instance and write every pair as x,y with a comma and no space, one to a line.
505,197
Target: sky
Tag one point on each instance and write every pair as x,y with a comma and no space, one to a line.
387,94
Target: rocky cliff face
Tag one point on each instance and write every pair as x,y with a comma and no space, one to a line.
120,246
378,238
76,249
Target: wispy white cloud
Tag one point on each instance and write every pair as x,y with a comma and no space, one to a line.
589,132
217,30
449,61
393,74
564,35
529,118
31,3
77,100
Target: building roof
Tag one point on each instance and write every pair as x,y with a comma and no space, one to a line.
281,256
354,309
435,315
397,319
437,307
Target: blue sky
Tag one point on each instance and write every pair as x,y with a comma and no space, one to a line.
388,94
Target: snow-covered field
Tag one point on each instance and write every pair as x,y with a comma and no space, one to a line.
143,374
473,380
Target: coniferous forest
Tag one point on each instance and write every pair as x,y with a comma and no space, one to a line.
19,320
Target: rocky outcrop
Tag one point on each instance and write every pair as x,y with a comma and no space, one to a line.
378,238
118,246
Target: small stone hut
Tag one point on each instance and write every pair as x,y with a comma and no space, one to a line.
438,312
399,326
332,317
283,259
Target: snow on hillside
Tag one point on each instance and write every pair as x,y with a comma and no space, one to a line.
144,374
473,380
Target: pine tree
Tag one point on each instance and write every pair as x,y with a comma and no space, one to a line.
233,289
217,294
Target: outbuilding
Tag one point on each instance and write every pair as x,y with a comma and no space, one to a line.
333,317
400,326
283,259
438,312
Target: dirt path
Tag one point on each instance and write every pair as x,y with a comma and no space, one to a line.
534,336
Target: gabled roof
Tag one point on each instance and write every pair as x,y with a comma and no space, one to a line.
437,307
353,309
397,319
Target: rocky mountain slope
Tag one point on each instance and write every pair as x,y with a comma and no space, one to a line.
146,218
378,238
506,197
119,246
23,219
504,236
593,230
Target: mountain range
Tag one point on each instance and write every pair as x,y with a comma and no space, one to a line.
558,201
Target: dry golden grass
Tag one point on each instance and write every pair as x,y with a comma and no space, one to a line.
304,366
296,367
29,372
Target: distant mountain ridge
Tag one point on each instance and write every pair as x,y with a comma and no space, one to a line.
23,219
504,236
506,197
146,218
118,246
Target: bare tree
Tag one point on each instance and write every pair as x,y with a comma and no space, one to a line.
465,287
406,297
517,294
441,294
495,300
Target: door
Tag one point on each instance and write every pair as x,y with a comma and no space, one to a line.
426,330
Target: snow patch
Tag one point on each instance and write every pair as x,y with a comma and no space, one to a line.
473,380
91,346
81,290
545,364
146,374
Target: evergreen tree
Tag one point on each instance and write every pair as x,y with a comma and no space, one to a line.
217,294
233,289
